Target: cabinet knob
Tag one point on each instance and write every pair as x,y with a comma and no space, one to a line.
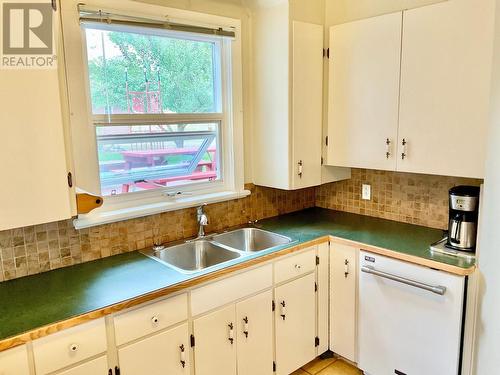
155,320
283,310
298,266
346,268
182,355
404,153
231,333
300,168
73,348
245,326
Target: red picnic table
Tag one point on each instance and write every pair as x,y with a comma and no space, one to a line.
151,158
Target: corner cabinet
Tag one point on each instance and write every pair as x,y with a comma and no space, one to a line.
343,300
444,113
409,91
287,96
34,168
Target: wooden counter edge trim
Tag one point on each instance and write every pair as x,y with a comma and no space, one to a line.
46,330
407,257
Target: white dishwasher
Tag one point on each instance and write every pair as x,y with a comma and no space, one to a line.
410,318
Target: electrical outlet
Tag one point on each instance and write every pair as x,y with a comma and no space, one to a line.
366,192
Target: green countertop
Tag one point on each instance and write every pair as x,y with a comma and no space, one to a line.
31,302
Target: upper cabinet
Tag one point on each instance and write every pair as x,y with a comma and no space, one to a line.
364,92
412,96
34,168
288,93
445,84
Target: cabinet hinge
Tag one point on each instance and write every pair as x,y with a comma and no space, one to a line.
70,179
326,53
273,305
316,341
274,366
315,287
110,372
326,140
117,370
322,161
317,260
54,5
192,341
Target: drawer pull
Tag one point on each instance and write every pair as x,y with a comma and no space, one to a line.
183,355
346,268
231,333
155,320
73,348
283,310
298,267
245,326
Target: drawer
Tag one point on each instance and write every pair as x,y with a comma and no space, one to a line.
295,265
97,366
150,318
14,361
69,346
230,289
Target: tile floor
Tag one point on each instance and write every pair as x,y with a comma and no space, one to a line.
330,366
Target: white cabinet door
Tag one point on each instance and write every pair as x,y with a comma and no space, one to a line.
323,296
215,343
307,104
14,362
445,80
98,366
343,276
34,171
363,98
163,353
254,323
295,322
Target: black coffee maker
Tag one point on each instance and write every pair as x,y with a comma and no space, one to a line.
462,228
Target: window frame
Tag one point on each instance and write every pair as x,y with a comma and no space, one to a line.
136,204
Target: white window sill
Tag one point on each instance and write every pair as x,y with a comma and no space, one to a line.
100,216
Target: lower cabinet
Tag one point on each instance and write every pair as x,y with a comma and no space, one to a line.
97,366
295,322
163,353
236,338
14,361
215,345
343,317
254,322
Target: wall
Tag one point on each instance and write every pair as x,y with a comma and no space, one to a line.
487,360
35,249
407,197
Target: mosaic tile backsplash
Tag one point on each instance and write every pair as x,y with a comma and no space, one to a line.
40,248
411,198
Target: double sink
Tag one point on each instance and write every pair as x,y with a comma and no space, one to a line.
200,254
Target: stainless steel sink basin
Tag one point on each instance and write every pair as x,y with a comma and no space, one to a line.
250,239
193,256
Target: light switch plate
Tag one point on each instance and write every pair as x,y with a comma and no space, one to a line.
366,192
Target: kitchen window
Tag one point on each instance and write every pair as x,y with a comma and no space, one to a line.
162,128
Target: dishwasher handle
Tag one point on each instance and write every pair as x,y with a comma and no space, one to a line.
438,289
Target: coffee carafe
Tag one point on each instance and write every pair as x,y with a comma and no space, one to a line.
463,214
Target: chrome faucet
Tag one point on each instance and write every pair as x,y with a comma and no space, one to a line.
202,219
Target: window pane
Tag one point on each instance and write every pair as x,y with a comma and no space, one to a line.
140,72
144,157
